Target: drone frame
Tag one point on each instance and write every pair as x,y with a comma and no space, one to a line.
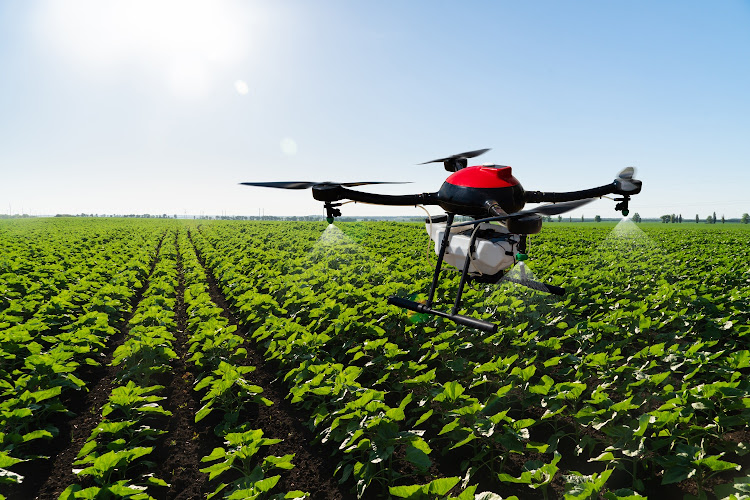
475,195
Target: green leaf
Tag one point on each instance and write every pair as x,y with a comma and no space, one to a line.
453,390
267,484
37,434
715,464
216,469
69,493
396,414
203,412
6,460
677,474
296,495
283,462
421,379
423,417
409,491
442,486
418,458
449,427
471,437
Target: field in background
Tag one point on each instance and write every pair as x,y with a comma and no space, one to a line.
139,352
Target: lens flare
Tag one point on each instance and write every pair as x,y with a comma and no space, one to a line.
241,87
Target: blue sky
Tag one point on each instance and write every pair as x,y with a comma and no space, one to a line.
163,107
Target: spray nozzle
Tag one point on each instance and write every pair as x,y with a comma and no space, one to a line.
623,205
332,212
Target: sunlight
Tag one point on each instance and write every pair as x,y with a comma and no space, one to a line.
185,43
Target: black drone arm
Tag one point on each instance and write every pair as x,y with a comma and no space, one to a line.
626,188
329,193
542,196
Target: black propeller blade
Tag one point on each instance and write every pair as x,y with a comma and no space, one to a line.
457,162
557,208
549,209
306,185
460,156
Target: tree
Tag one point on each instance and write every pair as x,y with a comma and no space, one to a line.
713,219
666,219
697,219
679,219
636,217
597,218
559,218
581,217
745,218
709,220
673,219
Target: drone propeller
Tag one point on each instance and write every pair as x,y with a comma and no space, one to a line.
455,163
306,185
626,181
459,156
556,208
549,209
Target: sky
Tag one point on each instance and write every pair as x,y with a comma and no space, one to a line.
122,107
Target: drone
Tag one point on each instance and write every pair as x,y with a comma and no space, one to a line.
483,252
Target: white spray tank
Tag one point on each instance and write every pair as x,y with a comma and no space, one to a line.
495,247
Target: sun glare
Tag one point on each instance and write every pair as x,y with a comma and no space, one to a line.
185,44
241,87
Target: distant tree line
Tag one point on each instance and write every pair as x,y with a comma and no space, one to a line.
711,219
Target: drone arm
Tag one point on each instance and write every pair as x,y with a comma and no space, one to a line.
542,196
336,193
623,185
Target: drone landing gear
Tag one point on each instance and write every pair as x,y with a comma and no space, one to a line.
426,308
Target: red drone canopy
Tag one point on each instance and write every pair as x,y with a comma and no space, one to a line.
483,176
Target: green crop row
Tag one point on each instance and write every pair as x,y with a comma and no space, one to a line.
116,454
242,464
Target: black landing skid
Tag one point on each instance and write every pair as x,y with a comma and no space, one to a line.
479,324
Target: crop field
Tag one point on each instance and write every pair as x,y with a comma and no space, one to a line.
166,359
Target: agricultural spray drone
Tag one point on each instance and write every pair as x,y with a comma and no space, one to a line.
482,251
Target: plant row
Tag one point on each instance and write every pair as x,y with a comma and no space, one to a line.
115,461
243,466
